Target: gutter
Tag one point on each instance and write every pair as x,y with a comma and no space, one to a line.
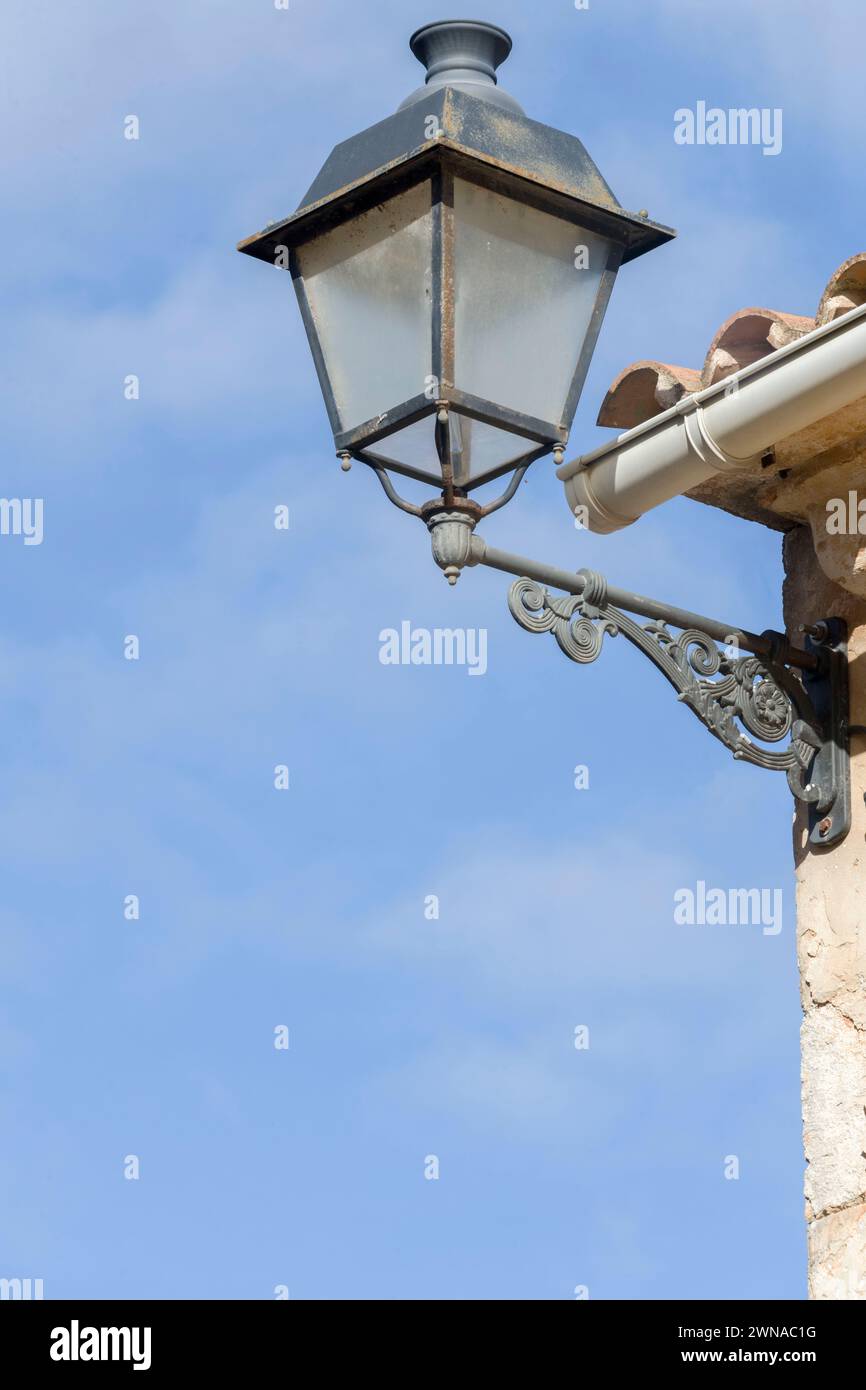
727,426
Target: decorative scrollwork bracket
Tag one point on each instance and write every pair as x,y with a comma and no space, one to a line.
738,697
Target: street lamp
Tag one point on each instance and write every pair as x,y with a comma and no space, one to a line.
453,264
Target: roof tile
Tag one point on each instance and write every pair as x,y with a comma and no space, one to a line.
646,388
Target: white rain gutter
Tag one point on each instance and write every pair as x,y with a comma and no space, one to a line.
726,426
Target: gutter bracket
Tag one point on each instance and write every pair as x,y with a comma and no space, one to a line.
702,446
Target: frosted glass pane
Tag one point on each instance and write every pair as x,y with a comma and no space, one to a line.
523,301
475,447
369,287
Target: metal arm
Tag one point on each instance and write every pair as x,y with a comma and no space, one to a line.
577,582
779,692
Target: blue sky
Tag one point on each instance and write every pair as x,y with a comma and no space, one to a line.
409,1037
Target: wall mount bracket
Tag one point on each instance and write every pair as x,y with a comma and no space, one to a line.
736,697
742,686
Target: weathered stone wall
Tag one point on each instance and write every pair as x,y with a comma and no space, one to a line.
831,945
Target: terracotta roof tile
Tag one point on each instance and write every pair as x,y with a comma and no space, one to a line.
747,335
845,290
646,388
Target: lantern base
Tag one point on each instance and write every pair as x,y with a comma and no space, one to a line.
451,531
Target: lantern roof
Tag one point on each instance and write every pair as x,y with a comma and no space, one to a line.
463,118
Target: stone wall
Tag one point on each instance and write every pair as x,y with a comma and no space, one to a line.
831,945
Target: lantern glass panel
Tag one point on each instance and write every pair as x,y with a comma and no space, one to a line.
369,287
525,285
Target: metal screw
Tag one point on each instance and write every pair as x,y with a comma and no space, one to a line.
825,826
345,461
817,631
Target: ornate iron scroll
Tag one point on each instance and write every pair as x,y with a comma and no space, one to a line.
737,697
